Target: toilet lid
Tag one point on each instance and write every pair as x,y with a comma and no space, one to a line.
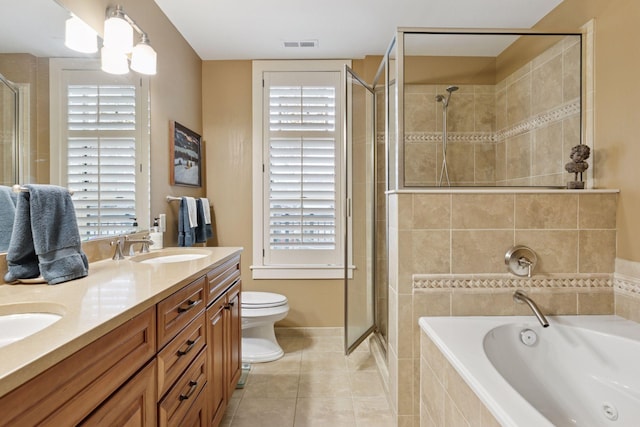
262,300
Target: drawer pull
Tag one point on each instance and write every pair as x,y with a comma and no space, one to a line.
190,344
194,386
228,306
190,304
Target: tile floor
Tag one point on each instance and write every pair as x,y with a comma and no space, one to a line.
313,385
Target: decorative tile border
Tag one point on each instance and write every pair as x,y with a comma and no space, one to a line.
497,281
628,285
532,123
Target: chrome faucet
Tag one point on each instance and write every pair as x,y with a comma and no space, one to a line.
128,244
522,298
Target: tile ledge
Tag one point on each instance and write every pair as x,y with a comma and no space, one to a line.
502,190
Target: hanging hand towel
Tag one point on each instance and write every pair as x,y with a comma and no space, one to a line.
186,234
45,238
193,211
8,201
201,232
206,212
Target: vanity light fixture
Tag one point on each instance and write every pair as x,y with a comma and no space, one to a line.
79,36
117,47
118,40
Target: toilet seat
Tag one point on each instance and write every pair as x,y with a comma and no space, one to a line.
259,300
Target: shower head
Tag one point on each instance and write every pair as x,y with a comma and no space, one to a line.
452,89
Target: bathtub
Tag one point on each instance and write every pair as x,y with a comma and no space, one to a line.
580,371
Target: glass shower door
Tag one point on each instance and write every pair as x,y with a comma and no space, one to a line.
360,213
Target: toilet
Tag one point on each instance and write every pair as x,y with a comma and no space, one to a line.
259,312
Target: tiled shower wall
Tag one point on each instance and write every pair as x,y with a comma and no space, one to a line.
446,258
518,132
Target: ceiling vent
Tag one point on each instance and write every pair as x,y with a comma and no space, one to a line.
301,43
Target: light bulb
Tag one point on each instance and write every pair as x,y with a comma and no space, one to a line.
144,58
118,34
114,62
79,36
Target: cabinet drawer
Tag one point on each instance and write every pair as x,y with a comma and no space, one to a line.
179,398
221,277
178,310
69,391
180,352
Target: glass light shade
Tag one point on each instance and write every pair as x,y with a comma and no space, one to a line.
144,59
118,34
79,36
114,62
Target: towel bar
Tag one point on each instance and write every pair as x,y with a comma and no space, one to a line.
22,189
173,199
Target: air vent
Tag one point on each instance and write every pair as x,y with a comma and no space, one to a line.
301,43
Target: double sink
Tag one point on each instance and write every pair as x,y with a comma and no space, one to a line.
19,321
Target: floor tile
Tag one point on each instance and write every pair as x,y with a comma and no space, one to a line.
329,412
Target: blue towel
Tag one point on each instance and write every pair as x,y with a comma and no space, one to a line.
7,213
45,239
186,234
201,229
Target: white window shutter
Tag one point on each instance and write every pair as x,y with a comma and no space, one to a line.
101,156
302,182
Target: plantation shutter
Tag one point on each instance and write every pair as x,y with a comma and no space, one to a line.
101,156
303,182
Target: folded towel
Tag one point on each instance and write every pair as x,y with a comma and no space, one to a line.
45,238
193,211
206,213
8,201
186,233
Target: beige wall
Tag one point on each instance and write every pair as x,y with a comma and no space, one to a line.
227,126
176,94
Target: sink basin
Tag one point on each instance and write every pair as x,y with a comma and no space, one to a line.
14,327
169,256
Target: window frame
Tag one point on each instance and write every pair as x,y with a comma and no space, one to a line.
307,270
58,79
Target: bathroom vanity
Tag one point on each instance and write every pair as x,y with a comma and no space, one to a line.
139,343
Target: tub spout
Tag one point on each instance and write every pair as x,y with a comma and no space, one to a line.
522,298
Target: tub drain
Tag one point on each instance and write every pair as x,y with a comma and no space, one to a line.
610,411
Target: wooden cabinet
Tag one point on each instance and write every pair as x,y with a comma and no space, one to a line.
134,405
224,337
215,338
68,392
233,340
175,364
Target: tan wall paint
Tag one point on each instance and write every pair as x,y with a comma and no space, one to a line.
227,126
176,94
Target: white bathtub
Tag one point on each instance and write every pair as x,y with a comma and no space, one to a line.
582,371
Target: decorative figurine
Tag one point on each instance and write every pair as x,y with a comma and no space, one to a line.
577,165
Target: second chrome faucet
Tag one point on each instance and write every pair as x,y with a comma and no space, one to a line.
522,298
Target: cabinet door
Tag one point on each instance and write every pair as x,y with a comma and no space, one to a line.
233,329
134,405
215,342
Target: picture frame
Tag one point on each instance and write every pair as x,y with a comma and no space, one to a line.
185,153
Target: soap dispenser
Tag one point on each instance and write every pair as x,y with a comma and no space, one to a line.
155,234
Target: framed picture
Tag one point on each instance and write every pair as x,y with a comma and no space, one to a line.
186,156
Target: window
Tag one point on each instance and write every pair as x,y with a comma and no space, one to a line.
298,184
101,133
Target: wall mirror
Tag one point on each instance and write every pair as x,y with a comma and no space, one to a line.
31,35
487,109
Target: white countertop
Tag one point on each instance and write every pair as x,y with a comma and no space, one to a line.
112,293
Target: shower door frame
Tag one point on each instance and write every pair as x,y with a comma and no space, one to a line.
351,344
